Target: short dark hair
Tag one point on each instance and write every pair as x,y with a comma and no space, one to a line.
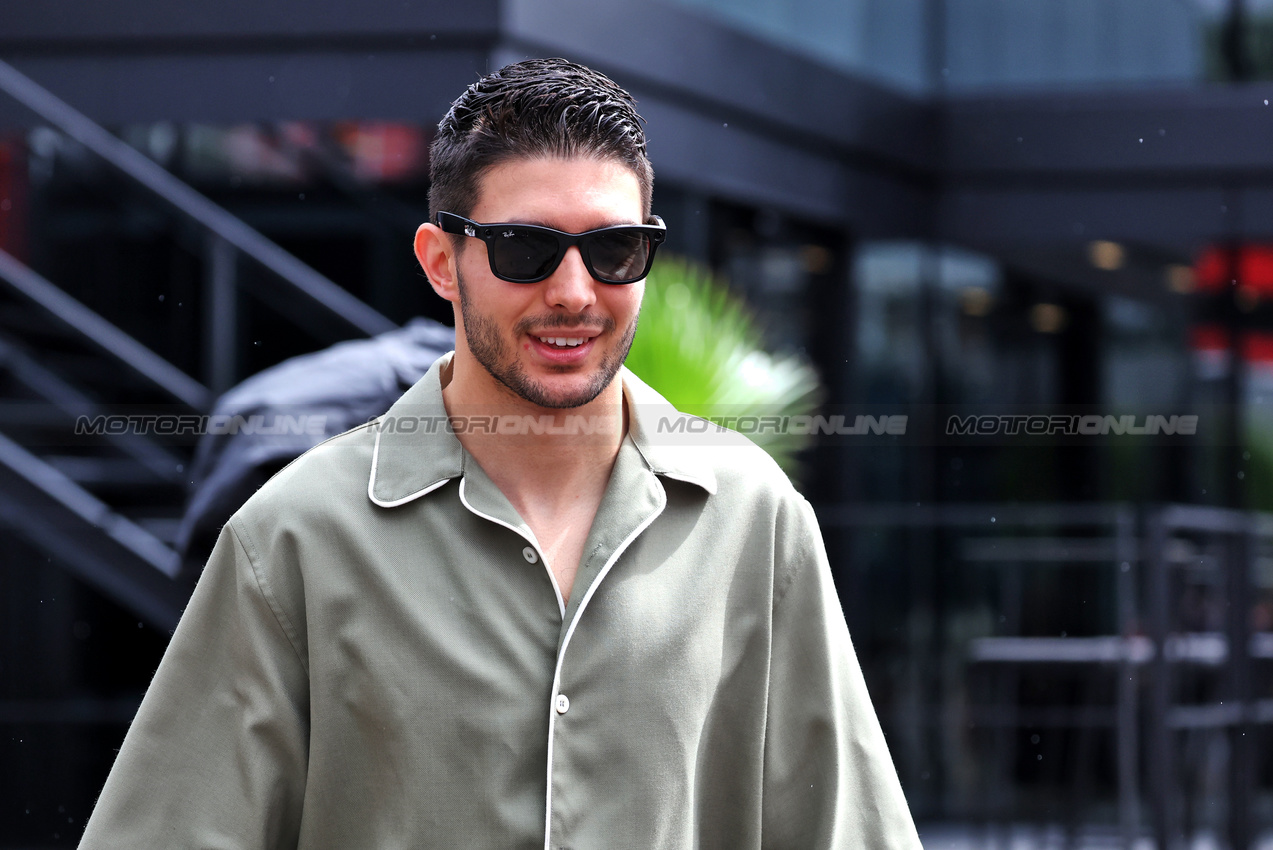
536,108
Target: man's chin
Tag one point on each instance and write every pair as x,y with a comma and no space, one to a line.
553,396
551,386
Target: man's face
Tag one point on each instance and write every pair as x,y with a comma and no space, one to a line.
513,329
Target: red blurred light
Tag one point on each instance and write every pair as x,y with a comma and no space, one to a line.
1257,346
1213,270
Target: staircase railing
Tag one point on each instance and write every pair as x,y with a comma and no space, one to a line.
102,334
37,500
104,548
228,236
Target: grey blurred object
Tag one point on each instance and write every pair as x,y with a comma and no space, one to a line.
271,418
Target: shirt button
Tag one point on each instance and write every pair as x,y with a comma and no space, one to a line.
563,703
530,555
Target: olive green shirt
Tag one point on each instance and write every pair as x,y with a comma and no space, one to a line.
377,657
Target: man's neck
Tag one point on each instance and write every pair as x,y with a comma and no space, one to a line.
534,448
552,465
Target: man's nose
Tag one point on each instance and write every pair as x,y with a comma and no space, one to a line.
570,287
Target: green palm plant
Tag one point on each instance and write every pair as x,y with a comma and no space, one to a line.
700,347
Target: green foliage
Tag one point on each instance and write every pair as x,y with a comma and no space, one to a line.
700,347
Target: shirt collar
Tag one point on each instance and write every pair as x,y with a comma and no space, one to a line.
652,422
416,452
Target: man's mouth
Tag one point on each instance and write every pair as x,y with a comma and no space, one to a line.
562,341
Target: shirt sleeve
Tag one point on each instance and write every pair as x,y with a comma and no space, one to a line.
217,754
828,779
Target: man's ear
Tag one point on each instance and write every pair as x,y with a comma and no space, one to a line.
436,253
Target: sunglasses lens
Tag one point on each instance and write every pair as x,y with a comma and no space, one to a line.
618,255
523,254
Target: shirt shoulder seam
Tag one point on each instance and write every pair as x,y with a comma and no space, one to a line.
327,440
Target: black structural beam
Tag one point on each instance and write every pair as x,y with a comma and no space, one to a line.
1177,169
775,129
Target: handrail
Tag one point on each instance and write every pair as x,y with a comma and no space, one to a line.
88,507
165,465
190,203
102,333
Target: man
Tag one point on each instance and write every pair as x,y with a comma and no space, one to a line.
541,626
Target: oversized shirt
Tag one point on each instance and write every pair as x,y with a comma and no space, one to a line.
377,656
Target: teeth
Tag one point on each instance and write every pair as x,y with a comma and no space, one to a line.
562,341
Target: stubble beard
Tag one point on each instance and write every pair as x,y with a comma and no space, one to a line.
492,350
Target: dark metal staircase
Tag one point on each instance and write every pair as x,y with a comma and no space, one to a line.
97,429
103,503
134,301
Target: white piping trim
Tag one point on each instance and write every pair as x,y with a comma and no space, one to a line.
371,482
561,604
561,655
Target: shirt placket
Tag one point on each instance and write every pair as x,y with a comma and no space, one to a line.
634,499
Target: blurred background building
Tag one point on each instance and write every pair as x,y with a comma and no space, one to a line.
955,208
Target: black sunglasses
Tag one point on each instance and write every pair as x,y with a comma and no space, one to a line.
528,253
